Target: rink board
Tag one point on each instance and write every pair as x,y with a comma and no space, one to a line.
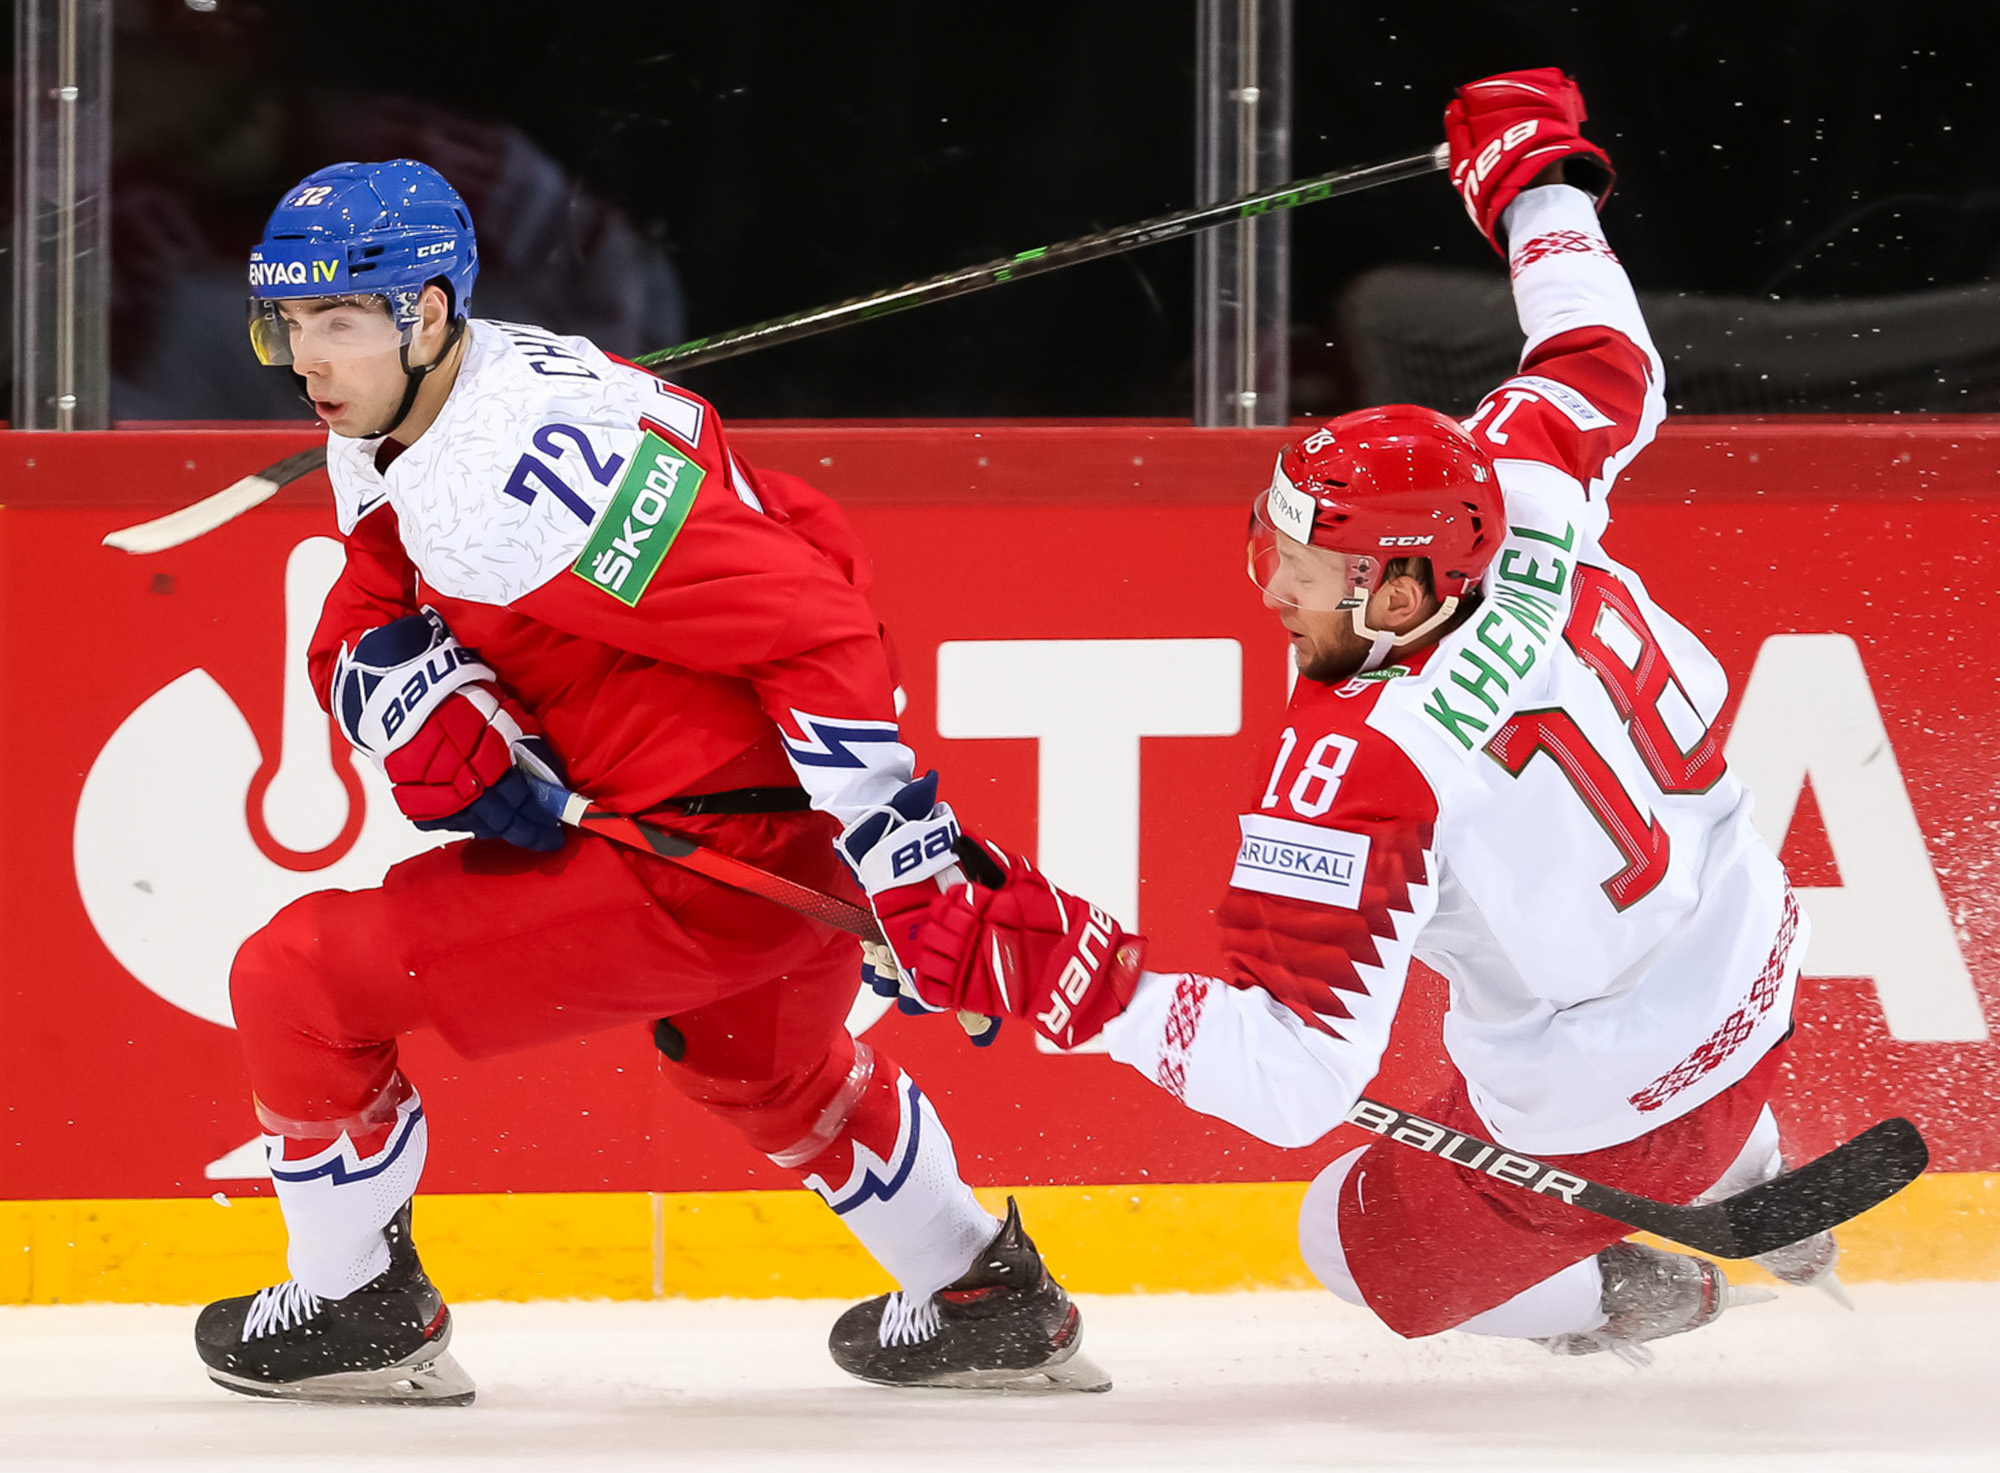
1203,1238
170,790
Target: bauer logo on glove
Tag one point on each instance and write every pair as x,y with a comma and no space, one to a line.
398,674
428,711
934,843
1504,131
1094,947
1022,948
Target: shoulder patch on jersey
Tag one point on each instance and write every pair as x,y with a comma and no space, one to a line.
1279,856
646,514
1578,410
677,413
1367,679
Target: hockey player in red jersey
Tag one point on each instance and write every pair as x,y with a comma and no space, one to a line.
1499,758
555,561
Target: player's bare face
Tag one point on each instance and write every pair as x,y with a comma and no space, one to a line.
349,352
1305,587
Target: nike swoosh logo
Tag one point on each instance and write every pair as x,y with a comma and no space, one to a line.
368,506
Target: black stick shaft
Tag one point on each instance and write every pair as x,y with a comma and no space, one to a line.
1821,1194
978,278
1041,259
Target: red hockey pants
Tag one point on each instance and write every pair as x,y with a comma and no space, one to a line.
496,949
1431,1244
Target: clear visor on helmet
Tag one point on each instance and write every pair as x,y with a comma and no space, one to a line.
302,331
1301,576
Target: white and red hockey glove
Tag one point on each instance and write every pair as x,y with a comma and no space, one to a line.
1505,130
1024,949
430,714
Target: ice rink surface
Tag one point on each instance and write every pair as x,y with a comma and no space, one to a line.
1226,1381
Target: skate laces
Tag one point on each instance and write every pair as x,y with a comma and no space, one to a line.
907,1321
279,1308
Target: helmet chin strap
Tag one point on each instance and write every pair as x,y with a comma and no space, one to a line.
1382,642
414,377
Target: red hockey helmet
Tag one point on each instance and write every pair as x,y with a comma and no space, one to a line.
1395,481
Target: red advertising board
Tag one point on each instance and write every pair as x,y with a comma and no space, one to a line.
1094,676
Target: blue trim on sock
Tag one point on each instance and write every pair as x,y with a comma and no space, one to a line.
337,1167
872,1187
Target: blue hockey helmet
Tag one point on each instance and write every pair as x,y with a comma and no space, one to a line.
383,230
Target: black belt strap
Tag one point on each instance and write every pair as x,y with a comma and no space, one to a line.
740,800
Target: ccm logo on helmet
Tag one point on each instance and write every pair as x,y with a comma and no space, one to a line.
1406,541
433,250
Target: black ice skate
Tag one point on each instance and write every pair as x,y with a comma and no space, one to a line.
1004,1325
1649,1295
384,1343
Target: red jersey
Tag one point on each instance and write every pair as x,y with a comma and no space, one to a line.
675,620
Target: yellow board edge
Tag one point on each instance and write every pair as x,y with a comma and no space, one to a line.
1125,1239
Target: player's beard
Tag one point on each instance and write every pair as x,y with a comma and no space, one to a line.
1333,656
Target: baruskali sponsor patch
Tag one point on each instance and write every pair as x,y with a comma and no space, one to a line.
1279,856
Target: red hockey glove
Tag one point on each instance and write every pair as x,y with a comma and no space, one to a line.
427,710
1028,950
1505,130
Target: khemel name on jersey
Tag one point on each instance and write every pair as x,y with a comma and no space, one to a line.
1523,609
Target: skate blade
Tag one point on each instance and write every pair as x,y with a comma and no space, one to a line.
1831,1286
1069,1371
430,1378
1078,1373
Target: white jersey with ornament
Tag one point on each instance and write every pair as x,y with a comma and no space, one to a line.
1537,806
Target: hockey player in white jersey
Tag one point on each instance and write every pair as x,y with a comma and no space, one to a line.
1499,759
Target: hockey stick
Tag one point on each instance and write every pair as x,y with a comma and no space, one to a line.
829,910
725,869
1042,259
205,516
211,512
1823,1193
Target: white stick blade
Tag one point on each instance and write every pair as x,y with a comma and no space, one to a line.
193,521
211,512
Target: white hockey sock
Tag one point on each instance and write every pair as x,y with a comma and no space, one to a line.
1567,1302
1757,1162
1319,1230
912,1211
1563,1303
337,1202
